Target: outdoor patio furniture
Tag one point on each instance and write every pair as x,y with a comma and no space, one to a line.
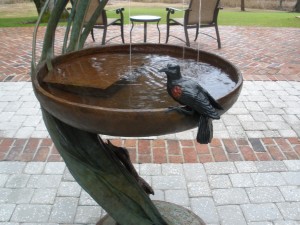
145,19
103,22
199,14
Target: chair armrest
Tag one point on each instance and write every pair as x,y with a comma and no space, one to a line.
172,10
118,10
216,13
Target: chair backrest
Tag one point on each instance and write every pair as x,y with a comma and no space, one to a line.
92,7
207,11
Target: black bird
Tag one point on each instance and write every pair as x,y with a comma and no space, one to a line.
189,92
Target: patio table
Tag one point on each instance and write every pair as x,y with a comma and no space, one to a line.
145,19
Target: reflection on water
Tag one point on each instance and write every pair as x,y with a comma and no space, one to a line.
112,81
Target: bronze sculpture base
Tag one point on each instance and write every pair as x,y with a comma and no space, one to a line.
173,215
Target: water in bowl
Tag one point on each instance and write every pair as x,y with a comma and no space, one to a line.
123,82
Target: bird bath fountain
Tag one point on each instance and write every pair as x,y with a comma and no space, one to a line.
117,90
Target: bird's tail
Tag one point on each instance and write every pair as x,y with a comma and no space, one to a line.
205,130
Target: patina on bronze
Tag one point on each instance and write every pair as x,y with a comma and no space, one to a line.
86,112
173,214
79,117
74,118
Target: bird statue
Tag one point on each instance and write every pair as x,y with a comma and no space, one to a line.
195,99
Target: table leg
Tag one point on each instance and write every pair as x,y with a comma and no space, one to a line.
145,32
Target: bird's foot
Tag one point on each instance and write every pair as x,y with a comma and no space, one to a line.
182,109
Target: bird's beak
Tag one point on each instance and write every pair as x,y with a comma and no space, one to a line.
163,70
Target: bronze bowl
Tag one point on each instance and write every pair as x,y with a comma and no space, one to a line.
128,122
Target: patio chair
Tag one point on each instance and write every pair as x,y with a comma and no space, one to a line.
199,14
103,22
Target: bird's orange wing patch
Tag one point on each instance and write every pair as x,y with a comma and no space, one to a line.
176,92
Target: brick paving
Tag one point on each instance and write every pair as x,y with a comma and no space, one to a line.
222,193
165,151
260,53
265,111
248,175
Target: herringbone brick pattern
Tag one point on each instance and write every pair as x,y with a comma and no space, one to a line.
260,53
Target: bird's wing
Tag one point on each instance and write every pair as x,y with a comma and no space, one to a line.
199,101
212,101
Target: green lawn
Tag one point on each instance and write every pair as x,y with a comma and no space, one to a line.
229,17
148,11
226,17
258,18
18,22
